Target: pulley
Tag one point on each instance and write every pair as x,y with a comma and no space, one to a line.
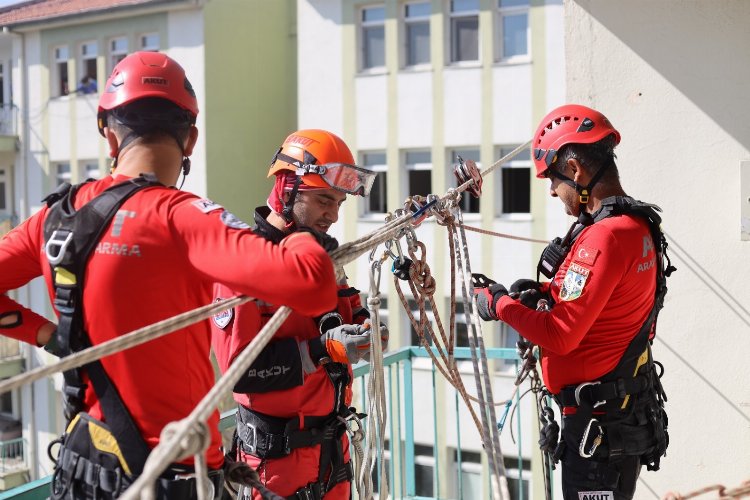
468,171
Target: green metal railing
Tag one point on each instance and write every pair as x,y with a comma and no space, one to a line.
401,469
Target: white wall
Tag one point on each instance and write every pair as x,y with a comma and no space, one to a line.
673,77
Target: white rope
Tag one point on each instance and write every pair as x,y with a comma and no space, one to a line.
375,439
482,379
132,339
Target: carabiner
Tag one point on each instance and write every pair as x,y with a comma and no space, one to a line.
594,444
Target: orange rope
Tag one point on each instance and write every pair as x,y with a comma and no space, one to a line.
723,493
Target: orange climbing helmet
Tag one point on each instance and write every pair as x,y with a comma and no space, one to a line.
568,124
321,159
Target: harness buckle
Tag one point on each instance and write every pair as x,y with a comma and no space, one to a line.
594,444
578,394
60,242
250,448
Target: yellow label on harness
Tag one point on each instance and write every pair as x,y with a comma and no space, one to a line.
642,360
103,440
64,277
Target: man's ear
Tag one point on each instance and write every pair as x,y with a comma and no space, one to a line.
191,140
112,141
580,175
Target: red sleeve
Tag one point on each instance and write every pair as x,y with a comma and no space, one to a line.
561,329
297,273
20,263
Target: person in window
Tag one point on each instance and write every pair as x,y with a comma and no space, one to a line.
158,257
294,401
87,86
594,322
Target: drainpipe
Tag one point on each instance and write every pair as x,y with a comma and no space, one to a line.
24,209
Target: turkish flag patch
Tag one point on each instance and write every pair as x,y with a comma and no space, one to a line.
585,254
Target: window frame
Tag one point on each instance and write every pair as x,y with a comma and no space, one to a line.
409,21
380,168
522,160
500,15
362,27
114,53
60,70
419,166
149,48
85,58
449,38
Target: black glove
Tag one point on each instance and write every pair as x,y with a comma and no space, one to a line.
528,292
329,243
487,300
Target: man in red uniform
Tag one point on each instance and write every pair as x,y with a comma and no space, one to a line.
606,290
294,400
160,255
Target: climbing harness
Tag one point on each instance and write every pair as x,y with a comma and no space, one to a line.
627,404
83,467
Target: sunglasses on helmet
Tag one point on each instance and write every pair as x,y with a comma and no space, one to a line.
343,177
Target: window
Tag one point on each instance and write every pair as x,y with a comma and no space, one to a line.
470,467
469,203
506,338
513,28
118,49
419,172
62,173
464,30
91,169
3,193
150,41
424,470
87,85
373,37
515,183
417,27
377,202
60,70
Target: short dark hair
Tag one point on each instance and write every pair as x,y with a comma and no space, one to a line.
600,154
151,119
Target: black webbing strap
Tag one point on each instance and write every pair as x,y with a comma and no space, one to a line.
71,236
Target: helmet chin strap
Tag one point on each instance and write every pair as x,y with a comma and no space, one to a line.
288,211
584,192
131,137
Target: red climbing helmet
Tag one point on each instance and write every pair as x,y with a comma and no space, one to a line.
146,74
568,124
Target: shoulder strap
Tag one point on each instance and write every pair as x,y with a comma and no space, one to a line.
71,235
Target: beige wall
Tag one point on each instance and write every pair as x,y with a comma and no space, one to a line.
673,77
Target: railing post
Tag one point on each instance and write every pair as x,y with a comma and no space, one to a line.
409,470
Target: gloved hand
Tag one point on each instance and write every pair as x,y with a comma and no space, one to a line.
528,292
487,300
329,243
342,344
383,340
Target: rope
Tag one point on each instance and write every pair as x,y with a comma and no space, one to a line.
502,235
375,441
132,339
499,162
723,493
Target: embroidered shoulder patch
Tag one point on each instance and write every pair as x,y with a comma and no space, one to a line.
575,280
223,318
205,205
586,255
231,220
